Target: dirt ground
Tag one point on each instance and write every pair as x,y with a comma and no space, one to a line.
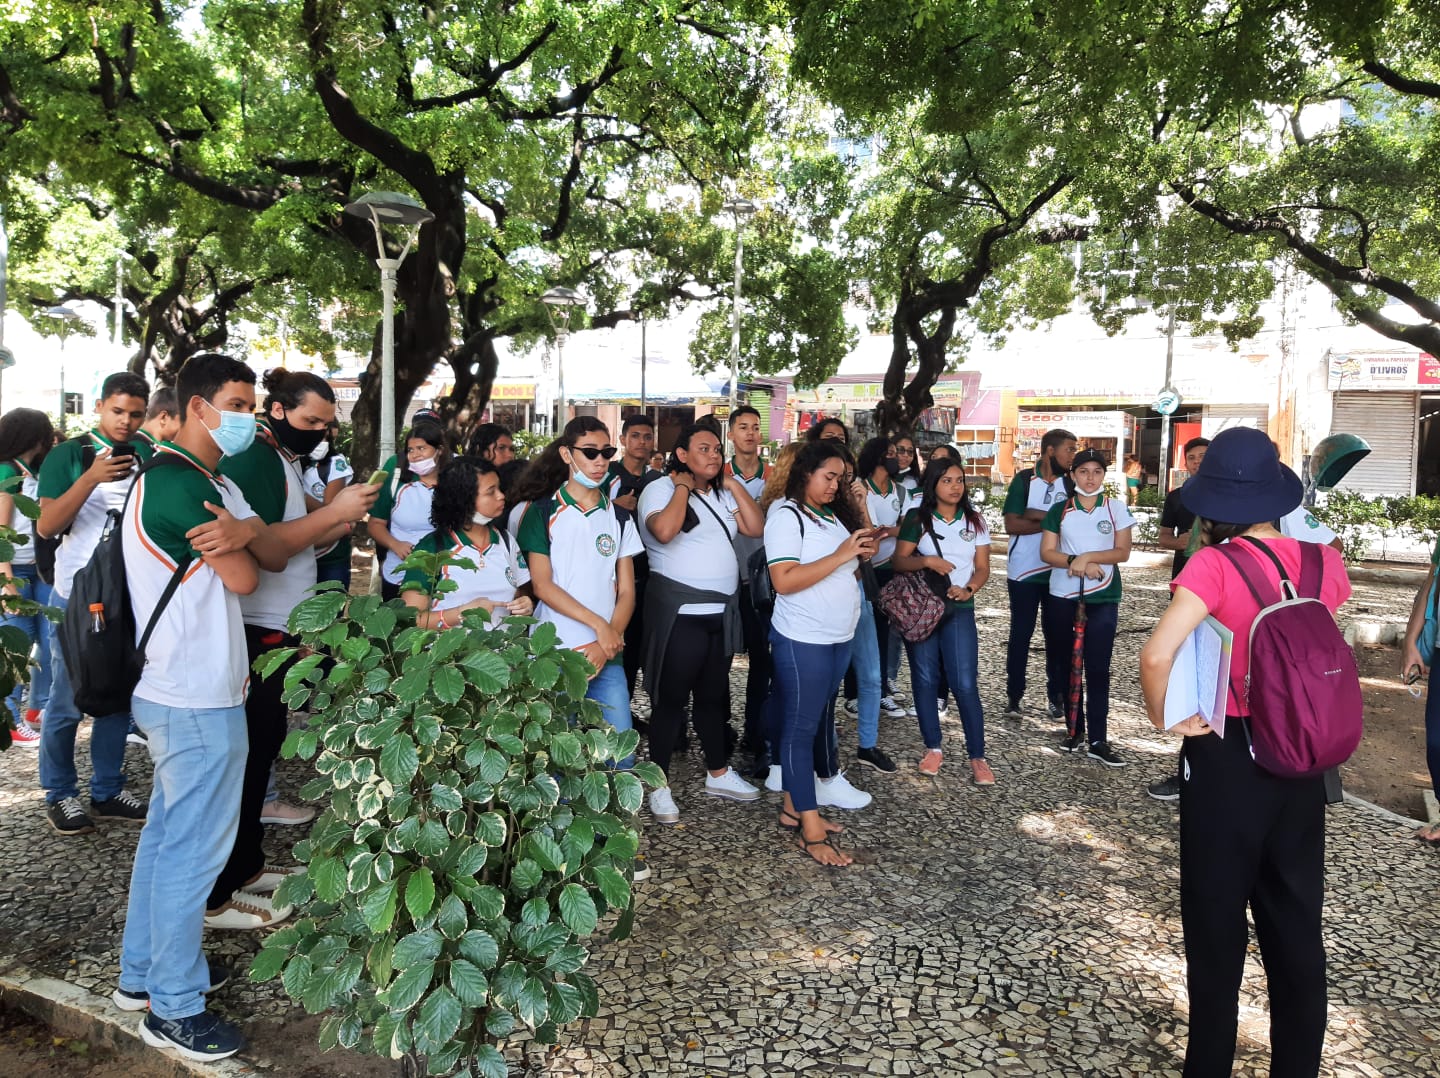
1389,767
31,1048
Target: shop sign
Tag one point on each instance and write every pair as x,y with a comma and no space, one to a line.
512,391
1381,371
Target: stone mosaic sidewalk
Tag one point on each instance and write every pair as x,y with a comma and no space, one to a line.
1027,929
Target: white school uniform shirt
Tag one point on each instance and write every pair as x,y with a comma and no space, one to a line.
703,557
1300,523
498,572
1085,532
409,522
20,524
196,657
885,512
1022,562
80,541
827,611
584,549
958,543
315,485
746,545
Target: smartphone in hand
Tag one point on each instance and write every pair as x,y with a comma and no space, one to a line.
377,477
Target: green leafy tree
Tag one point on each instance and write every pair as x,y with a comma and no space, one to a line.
474,835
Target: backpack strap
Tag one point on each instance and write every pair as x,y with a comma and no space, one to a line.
160,460
1245,566
1287,586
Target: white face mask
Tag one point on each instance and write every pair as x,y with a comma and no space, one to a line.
320,451
481,518
424,466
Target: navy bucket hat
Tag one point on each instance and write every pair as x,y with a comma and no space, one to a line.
1241,480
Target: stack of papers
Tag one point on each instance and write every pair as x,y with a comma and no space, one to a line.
1200,679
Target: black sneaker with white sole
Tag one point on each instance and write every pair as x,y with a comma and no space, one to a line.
1102,751
642,870
139,1001
68,817
1073,742
1057,711
123,806
1165,789
877,759
205,1037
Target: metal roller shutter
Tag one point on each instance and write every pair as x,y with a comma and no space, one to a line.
1389,422
1217,417
759,399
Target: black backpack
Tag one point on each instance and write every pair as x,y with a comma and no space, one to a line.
105,666
762,591
45,548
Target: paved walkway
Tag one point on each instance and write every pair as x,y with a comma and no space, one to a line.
1028,929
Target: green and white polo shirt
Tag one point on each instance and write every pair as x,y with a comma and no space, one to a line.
62,470
271,480
886,508
1022,561
20,524
335,468
746,545
196,657
827,611
584,548
958,542
406,512
1085,531
1300,523
497,574
703,557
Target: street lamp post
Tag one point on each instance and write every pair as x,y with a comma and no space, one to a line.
383,208
560,303
67,318
740,209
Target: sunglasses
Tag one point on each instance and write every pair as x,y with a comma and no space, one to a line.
591,452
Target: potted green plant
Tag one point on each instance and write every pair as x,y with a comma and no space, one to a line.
474,834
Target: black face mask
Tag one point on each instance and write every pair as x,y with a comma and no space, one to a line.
892,467
298,442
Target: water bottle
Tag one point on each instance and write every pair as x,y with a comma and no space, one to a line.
97,617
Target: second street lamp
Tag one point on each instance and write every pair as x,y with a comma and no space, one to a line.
740,209
383,208
560,303
68,319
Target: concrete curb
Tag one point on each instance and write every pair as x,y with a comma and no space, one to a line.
1383,813
71,1010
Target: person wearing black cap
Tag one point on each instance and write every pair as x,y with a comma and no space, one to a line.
1086,537
1247,838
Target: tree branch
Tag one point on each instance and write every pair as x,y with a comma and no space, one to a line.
1401,83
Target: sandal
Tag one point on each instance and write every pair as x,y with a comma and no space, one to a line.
1429,834
826,841
789,826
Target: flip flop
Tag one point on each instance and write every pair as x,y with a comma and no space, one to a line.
1429,834
789,826
807,843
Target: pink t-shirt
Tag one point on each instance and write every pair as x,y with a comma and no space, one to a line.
1222,589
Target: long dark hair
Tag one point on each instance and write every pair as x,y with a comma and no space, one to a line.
21,430
808,461
1215,532
431,434
872,457
914,472
484,439
930,500
453,505
547,473
673,464
813,434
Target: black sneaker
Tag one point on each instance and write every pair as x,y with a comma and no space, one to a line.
1165,789
877,759
1012,708
1057,711
204,1036
642,870
68,817
138,1001
123,806
1102,751
1073,742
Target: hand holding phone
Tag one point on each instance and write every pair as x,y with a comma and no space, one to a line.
377,477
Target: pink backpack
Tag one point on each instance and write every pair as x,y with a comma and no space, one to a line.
1303,689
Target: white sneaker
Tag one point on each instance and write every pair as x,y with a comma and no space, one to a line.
775,780
730,785
891,708
271,877
943,706
247,911
282,812
662,806
891,690
838,793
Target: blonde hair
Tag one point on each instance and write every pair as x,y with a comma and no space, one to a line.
779,475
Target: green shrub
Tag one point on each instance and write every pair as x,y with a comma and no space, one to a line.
473,836
1149,498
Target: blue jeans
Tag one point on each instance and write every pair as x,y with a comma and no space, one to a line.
952,651
865,659
1028,600
611,691
1101,620
199,759
806,677
338,572
57,741
37,628
1432,726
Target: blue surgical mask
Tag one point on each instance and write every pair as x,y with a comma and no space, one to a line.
584,480
236,432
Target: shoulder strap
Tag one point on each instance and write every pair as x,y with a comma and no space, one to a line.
798,516
709,509
1287,586
160,460
1312,569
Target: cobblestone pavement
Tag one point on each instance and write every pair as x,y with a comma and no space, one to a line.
1031,928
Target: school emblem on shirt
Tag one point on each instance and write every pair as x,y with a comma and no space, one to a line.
1310,521
510,576
968,535
605,543
1104,527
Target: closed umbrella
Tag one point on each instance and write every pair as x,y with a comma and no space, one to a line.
1077,667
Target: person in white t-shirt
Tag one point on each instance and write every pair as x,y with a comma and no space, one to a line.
467,501
813,552
945,534
689,520
401,515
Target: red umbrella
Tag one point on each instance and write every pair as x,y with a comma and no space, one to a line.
1077,666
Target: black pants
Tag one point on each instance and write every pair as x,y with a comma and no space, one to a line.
756,627
389,591
1249,838
1101,621
635,630
697,667
1028,600
265,719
